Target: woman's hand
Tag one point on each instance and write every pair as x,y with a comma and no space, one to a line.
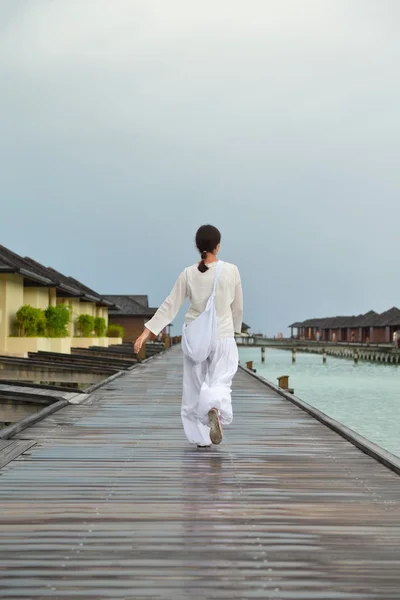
141,340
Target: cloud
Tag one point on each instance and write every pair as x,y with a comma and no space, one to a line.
127,123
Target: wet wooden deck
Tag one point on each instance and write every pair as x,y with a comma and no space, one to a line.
112,503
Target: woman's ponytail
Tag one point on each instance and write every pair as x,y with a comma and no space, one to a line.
202,265
207,239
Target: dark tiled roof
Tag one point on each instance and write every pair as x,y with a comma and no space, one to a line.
141,299
13,263
89,291
331,322
370,319
389,318
128,305
319,322
245,326
367,319
56,280
68,284
4,266
34,271
66,281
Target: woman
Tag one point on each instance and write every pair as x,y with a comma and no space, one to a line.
206,404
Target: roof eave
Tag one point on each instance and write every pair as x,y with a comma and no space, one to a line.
65,288
35,277
106,304
89,298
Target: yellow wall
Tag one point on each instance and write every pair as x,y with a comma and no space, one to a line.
78,308
83,308
38,297
21,346
13,295
3,336
11,299
81,342
88,308
52,297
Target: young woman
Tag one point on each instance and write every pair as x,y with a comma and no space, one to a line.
206,404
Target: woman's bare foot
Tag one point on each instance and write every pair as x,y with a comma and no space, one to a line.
215,426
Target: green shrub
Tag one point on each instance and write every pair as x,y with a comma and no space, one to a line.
57,319
100,326
115,331
85,325
30,321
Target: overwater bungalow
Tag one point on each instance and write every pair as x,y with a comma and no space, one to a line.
371,328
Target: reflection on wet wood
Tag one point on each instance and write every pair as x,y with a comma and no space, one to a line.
113,503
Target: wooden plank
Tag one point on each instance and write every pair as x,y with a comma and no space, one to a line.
113,503
51,389
22,396
4,444
30,364
11,430
387,459
13,449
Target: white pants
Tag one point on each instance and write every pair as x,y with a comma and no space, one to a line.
208,385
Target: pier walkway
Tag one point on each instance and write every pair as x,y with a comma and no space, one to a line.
109,501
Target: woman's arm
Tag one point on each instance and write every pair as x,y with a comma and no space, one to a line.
166,313
237,305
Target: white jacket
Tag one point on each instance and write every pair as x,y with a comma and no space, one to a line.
197,287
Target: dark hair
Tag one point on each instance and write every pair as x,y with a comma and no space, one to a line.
207,239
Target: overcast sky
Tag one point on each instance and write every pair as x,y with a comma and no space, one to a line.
126,124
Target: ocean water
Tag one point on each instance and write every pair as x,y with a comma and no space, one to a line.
365,396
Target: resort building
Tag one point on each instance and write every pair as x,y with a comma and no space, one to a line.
24,281
371,328
132,313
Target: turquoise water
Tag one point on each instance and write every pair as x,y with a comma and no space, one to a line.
364,397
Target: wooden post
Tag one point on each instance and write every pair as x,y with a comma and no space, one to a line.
324,357
263,354
293,355
249,365
356,356
283,382
167,342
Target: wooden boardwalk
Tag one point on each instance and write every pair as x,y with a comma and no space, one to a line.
111,502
